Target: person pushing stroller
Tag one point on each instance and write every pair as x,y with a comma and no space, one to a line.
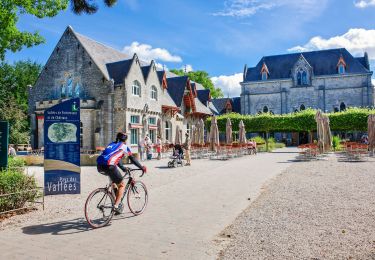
177,156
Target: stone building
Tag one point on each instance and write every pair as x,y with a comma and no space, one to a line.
330,80
117,93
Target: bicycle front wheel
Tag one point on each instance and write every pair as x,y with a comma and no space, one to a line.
99,208
137,197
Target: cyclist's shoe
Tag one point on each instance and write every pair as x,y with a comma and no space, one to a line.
118,209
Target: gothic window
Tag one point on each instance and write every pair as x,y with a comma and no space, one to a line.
304,78
265,109
154,93
341,69
168,131
342,106
136,88
299,78
302,107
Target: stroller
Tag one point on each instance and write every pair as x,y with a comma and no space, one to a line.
177,156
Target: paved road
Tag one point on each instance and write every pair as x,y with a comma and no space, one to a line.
188,207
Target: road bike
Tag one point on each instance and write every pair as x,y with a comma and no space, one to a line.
99,206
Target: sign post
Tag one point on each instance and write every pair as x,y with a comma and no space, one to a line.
4,143
62,148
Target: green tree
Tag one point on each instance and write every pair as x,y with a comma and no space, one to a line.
12,39
14,80
203,78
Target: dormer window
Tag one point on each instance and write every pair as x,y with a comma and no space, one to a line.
341,69
341,65
264,71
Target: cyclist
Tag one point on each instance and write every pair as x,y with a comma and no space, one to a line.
109,162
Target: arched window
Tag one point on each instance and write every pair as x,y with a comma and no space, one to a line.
341,69
154,93
264,75
136,88
342,106
299,78
168,131
336,109
81,134
302,107
304,78
265,109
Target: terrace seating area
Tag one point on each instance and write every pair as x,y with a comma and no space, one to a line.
353,151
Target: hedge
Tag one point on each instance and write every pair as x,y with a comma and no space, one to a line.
352,119
14,180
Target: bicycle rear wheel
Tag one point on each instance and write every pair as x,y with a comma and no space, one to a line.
99,208
137,197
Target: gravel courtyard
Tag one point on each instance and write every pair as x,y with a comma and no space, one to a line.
313,210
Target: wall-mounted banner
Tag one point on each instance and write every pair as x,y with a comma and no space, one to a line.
62,148
4,139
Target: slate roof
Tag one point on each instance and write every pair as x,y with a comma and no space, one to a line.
219,104
236,105
323,62
100,53
176,88
145,71
213,109
203,95
201,108
119,70
160,75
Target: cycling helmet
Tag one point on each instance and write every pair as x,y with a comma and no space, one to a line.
121,137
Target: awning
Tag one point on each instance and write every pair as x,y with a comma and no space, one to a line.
136,125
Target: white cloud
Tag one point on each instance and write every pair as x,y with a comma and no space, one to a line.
246,8
364,3
146,53
230,85
356,41
373,81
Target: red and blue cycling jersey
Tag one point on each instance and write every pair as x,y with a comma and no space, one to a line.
113,153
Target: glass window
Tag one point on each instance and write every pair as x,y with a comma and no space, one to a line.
134,136
168,131
154,93
304,78
188,127
299,78
342,106
134,119
264,75
152,134
136,88
152,120
341,69
302,107
265,109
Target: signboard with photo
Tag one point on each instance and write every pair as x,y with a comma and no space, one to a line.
62,148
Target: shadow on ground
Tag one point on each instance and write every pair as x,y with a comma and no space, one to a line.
68,227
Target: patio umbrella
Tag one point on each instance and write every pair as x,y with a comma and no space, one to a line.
320,130
371,132
327,134
242,133
160,131
201,132
228,132
178,137
214,134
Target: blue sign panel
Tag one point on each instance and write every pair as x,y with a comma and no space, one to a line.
62,148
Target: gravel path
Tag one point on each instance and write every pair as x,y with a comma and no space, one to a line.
314,210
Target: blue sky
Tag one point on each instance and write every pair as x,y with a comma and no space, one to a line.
218,36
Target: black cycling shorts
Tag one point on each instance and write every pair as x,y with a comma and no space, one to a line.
112,171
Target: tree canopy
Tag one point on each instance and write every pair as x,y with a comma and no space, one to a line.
203,78
14,80
12,39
